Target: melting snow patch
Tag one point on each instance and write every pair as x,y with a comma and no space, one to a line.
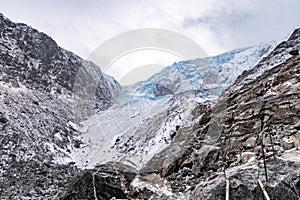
153,183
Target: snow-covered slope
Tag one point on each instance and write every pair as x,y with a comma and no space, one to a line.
33,59
41,89
148,114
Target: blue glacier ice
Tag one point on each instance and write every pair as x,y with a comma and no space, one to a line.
140,123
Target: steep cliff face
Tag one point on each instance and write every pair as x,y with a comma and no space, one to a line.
42,87
262,115
259,112
33,59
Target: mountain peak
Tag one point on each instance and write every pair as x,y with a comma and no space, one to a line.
295,35
34,59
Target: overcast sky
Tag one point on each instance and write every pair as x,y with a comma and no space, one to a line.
216,25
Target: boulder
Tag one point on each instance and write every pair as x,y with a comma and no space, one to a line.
161,90
170,159
294,52
104,182
150,186
283,175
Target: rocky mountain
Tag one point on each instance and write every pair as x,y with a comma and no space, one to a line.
33,59
41,89
252,132
68,131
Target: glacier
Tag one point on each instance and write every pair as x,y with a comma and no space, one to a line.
145,116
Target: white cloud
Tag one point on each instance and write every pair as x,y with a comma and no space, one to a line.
81,26
216,25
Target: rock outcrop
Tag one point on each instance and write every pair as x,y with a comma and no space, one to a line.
161,90
284,181
256,119
33,59
103,182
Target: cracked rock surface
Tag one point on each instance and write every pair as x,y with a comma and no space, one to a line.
40,93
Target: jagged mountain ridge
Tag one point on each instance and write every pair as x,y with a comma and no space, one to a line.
262,109
41,86
33,59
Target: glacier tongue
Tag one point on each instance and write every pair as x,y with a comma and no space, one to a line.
146,115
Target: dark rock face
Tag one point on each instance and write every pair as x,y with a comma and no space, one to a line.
170,159
284,179
260,109
294,52
116,180
34,179
268,106
161,90
103,182
3,121
33,59
41,87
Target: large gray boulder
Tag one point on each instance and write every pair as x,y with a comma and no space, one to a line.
103,182
283,181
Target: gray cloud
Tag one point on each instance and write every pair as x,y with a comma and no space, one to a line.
217,25
244,23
